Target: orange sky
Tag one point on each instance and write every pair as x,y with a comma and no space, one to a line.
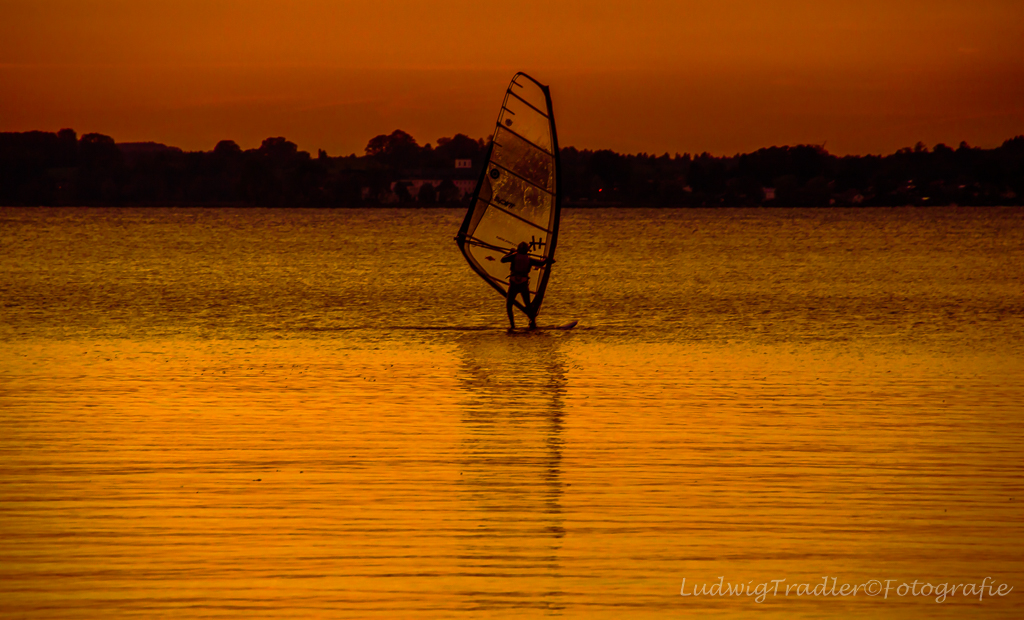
724,76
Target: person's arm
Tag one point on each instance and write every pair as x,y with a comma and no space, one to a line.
508,257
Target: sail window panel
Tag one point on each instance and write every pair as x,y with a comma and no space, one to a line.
530,92
504,230
524,159
527,122
520,197
484,195
490,262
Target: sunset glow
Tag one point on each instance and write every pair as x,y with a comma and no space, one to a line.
723,77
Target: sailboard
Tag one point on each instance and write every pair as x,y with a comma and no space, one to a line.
517,197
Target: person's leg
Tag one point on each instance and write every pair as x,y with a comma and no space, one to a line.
526,304
509,299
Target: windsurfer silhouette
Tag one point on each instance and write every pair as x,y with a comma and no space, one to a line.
519,280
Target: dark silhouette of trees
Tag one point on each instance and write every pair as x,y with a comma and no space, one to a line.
447,192
101,167
397,150
280,149
611,169
427,194
459,146
42,168
401,190
227,148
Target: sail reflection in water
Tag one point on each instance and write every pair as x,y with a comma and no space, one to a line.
511,482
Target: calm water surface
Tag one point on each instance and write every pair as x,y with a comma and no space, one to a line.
260,413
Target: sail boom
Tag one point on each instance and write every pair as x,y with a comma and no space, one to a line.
477,242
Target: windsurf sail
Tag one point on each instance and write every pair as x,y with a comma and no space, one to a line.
517,196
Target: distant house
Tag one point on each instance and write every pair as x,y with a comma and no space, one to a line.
466,186
769,193
414,185
463,176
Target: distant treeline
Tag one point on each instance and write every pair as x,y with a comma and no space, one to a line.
41,168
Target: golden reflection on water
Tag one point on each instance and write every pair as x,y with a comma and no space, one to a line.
302,479
292,413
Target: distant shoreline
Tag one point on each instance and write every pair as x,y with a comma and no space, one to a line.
463,207
41,168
